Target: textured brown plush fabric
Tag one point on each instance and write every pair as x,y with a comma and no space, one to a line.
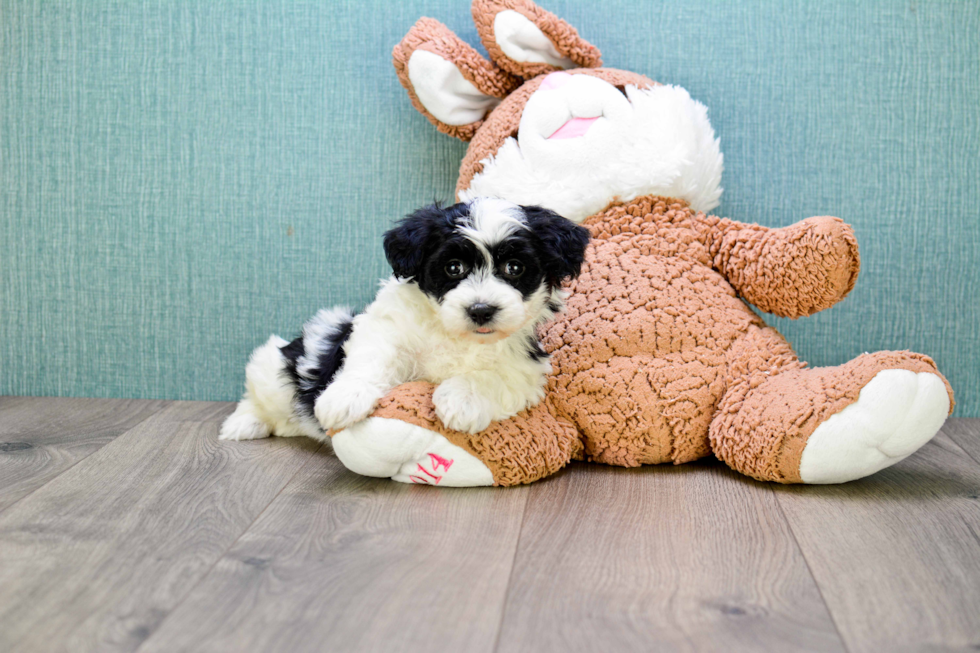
564,36
431,35
766,269
654,330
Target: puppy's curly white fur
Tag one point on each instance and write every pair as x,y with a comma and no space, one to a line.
472,282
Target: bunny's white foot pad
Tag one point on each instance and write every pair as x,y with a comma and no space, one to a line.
403,452
897,412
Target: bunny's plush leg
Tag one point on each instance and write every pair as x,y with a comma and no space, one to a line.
779,421
405,441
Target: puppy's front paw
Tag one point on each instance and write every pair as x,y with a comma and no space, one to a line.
461,407
345,402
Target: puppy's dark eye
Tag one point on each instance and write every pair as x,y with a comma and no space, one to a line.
455,269
513,268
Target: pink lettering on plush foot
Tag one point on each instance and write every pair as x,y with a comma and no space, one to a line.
435,477
425,477
438,461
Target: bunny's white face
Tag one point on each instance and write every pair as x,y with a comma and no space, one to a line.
583,143
569,111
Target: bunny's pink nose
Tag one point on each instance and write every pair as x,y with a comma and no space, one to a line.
554,80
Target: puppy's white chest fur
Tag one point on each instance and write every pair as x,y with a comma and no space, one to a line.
435,354
447,358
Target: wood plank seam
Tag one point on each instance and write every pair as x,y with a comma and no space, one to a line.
966,454
510,573
386,556
894,555
136,425
221,557
809,569
974,457
671,558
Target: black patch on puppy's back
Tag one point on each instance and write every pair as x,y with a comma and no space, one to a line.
312,382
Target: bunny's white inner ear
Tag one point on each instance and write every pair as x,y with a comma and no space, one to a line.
444,92
522,41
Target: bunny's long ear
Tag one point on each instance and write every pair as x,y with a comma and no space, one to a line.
525,40
448,81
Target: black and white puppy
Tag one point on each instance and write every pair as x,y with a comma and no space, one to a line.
471,285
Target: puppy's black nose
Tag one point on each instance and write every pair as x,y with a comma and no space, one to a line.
481,313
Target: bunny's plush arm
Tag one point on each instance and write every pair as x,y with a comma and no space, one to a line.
792,271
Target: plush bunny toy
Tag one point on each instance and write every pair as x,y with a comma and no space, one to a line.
658,357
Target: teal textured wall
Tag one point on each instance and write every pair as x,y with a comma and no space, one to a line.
179,179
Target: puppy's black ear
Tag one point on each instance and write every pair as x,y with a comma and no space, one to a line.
405,243
562,243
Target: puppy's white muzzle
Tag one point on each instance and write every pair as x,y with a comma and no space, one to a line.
508,316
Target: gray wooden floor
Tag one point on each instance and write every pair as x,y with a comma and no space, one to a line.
126,526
